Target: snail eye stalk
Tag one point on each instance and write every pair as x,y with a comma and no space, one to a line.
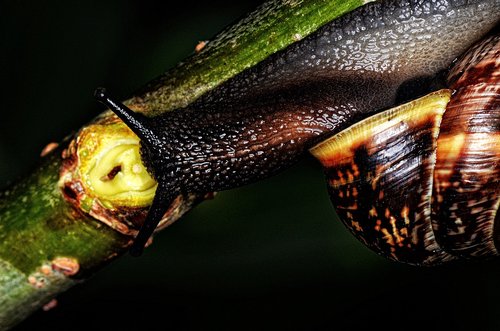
138,123
166,191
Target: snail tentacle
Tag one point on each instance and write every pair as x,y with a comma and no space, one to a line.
137,122
161,203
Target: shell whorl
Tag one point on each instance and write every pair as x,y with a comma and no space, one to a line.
467,175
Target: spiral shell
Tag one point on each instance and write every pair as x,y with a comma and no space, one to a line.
420,186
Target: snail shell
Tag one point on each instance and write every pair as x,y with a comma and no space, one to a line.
420,183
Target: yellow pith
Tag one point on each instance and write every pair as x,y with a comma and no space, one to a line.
111,169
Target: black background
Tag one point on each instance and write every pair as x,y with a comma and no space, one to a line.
270,255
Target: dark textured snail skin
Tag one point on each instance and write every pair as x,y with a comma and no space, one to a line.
262,120
418,189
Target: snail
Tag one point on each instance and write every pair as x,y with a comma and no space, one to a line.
264,119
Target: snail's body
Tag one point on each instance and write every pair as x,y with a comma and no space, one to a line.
260,121
265,118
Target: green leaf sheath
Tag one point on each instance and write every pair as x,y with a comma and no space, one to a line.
270,28
47,242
